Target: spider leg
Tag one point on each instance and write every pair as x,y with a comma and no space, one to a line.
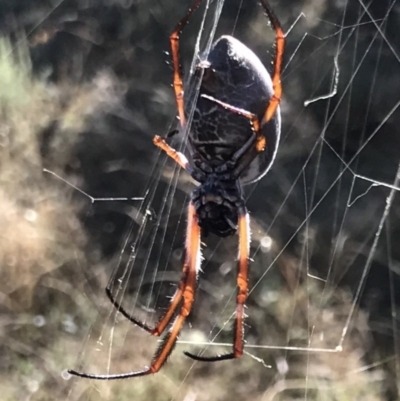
278,62
256,144
159,328
178,82
242,292
192,265
260,140
178,157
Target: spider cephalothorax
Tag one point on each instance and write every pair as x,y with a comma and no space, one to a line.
217,201
232,141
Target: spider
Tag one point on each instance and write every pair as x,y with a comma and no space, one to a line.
233,141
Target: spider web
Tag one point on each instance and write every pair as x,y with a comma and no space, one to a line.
324,220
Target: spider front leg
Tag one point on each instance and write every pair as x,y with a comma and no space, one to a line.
189,280
178,82
256,143
260,140
278,63
178,157
242,292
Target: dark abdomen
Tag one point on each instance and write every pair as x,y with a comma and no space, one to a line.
234,75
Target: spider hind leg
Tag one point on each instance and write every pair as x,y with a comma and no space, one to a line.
188,285
241,297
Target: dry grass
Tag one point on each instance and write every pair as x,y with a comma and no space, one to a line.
39,218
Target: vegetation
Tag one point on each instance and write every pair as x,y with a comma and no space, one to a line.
83,88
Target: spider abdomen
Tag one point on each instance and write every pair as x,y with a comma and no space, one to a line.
233,74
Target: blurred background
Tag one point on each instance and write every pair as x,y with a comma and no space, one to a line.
85,85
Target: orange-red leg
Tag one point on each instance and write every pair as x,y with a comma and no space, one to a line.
178,82
178,157
242,292
260,141
256,144
159,328
242,282
278,62
162,323
192,265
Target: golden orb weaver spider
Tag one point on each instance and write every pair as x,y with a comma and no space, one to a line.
232,141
